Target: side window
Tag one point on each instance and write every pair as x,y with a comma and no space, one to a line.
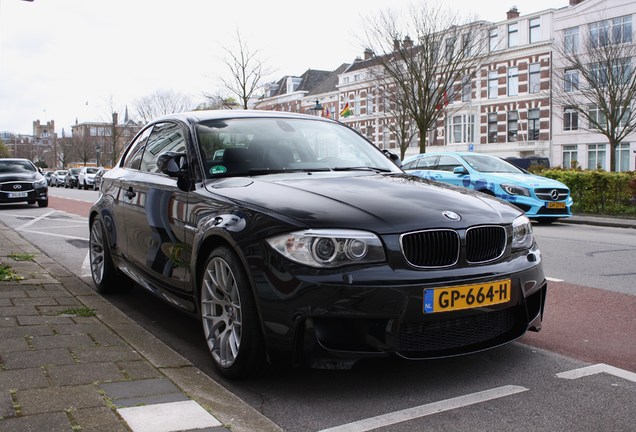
426,162
132,159
447,163
165,137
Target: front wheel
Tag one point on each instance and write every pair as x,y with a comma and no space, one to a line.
230,321
43,203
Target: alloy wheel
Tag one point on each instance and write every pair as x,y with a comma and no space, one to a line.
221,312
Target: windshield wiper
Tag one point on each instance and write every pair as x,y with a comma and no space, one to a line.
361,168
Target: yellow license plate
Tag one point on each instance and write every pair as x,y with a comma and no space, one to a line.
557,205
466,296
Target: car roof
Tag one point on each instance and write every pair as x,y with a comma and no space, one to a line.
199,116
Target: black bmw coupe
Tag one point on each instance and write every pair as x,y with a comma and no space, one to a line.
298,242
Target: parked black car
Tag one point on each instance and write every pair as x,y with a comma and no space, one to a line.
304,244
71,179
21,181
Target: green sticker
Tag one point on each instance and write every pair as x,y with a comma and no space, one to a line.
218,169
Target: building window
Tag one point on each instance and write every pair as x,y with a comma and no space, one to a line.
571,40
467,44
356,106
621,157
534,79
386,139
513,125
460,128
571,80
570,156
614,31
450,48
513,35
570,119
370,104
492,127
535,29
534,125
93,131
596,156
513,81
467,89
493,84
597,118
493,39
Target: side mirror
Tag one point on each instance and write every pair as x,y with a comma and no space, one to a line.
460,170
393,157
173,164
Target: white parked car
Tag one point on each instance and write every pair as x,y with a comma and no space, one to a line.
57,179
86,177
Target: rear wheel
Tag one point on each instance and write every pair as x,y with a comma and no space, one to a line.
105,275
228,314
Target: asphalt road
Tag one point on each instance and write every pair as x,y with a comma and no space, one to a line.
534,384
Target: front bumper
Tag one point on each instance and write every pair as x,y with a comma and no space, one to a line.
535,208
34,194
333,320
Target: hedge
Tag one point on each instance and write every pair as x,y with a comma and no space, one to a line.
598,192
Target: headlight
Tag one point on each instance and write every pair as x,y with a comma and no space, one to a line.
522,233
515,190
329,248
40,183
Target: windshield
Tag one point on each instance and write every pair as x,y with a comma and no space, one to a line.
490,164
257,146
16,166
92,170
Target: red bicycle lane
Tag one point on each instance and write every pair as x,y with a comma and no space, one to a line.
77,207
589,324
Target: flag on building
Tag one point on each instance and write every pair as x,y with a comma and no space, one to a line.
346,111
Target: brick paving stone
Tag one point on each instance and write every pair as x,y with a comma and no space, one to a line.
37,358
39,319
10,345
41,330
6,405
107,338
77,328
53,310
6,302
67,301
138,370
17,310
60,398
65,375
35,301
23,379
11,292
97,419
105,353
57,341
56,421
139,388
8,322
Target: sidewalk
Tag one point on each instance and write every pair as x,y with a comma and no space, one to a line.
70,361
601,221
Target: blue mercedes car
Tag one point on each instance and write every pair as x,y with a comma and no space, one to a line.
542,199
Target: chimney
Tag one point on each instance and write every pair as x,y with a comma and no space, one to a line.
408,43
115,116
575,2
396,45
514,12
368,53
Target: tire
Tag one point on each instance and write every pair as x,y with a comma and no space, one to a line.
43,203
85,186
228,314
106,277
546,221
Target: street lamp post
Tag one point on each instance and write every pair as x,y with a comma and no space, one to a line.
316,108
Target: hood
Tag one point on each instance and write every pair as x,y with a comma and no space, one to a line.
380,203
23,176
526,180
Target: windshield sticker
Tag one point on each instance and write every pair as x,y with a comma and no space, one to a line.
218,169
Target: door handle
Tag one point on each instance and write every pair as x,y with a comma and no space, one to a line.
130,194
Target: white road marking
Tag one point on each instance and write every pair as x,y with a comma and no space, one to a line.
35,220
596,369
86,266
553,279
168,417
54,235
428,409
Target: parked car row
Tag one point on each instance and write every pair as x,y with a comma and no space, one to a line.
81,178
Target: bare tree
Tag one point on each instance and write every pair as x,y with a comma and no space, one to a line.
4,150
217,101
162,102
82,149
446,49
402,126
595,79
246,71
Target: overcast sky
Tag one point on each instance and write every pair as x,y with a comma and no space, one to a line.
64,60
